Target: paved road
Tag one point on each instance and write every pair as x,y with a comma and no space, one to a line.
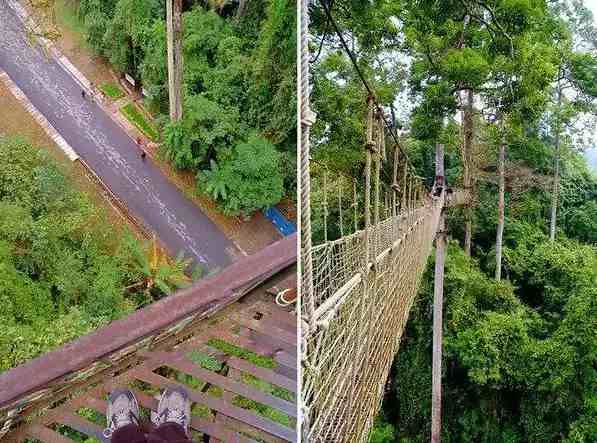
108,150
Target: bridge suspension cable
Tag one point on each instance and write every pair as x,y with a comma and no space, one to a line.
327,6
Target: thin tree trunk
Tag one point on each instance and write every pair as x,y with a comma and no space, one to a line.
555,193
438,300
501,210
242,8
467,160
175,60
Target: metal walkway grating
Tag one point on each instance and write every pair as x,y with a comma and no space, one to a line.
240,370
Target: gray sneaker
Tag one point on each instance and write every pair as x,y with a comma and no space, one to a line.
174,407
123,409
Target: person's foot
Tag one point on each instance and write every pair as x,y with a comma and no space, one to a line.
174,407
123,410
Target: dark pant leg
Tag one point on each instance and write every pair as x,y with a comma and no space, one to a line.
168,433
129,434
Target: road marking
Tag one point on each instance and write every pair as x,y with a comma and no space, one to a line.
39,118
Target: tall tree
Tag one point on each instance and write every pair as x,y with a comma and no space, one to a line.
467,166
501,209
556,165
576,43
175,57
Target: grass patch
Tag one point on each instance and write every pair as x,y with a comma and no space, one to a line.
66,16
93,416
136,118
206,361
267,387
112,90
189,381
265,411
230,349
202,411
73,434
144,387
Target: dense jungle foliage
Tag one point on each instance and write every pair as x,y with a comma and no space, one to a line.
520,354
64,271
239,89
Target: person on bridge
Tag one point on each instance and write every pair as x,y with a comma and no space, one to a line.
169,424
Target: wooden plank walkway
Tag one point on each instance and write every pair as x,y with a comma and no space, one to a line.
240,371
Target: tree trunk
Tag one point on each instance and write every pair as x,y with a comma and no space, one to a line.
438,300
242,8
467,161
501,210
175,61
555,193
393,111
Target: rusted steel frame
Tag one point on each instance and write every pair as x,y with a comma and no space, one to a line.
62,413
65,413
46,434
194,341
270,325
200,301
288,283
66,390
271,329
285,290
253,343
283,317
146,401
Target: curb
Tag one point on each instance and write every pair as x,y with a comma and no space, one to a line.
115,201
38,117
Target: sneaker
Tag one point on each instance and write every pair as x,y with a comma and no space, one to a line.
123,410
174,407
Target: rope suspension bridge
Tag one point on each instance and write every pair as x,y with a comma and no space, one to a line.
373,238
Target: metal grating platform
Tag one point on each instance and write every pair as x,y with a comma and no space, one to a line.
224,338
240,371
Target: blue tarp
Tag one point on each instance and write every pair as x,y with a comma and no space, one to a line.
282,224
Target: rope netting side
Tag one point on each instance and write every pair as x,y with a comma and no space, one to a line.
365,278
354,339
